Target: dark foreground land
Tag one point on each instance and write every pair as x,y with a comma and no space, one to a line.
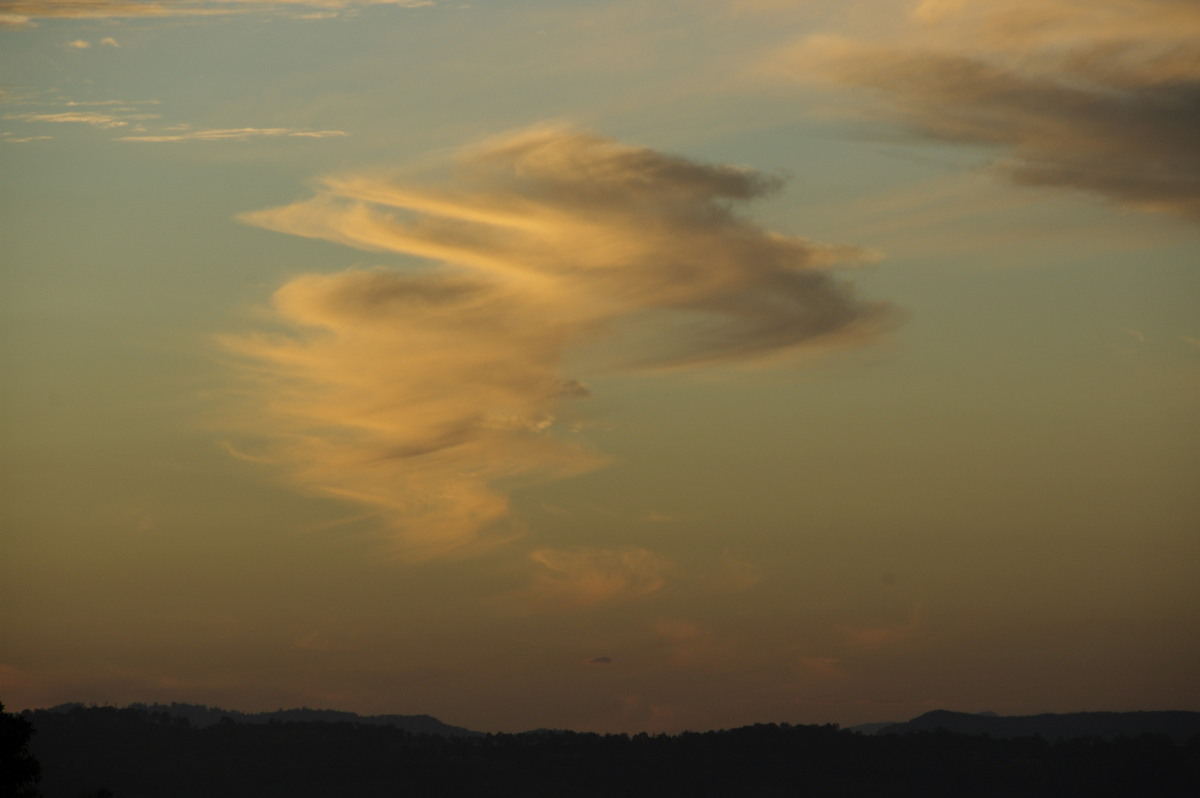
141,753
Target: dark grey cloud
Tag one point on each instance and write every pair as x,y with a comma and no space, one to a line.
1101,97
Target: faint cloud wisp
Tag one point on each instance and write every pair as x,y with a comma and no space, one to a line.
92,118
22,13
589,575
238,134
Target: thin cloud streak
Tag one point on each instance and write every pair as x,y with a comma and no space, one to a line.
238,134
429,393
1102,96
27,10
92,118
21,13
122,114
126,105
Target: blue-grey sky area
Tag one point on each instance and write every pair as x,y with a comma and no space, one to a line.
608,365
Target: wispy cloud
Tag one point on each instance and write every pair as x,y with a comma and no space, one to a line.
21,13
79,44
124,105
118,114
92,118
1098,96
429,392
238,134
101,9
590,576
34,99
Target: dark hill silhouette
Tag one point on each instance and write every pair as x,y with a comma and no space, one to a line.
873,728
201,716
87,752
1179,726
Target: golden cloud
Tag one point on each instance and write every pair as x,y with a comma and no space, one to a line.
428,392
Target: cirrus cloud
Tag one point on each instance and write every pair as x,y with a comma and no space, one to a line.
427,393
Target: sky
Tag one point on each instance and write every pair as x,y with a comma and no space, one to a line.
605,365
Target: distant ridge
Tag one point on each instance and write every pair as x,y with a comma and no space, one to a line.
1106,725
201,716
134,753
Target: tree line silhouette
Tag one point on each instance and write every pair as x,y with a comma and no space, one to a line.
86,752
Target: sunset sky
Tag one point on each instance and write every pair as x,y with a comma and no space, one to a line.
612,365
